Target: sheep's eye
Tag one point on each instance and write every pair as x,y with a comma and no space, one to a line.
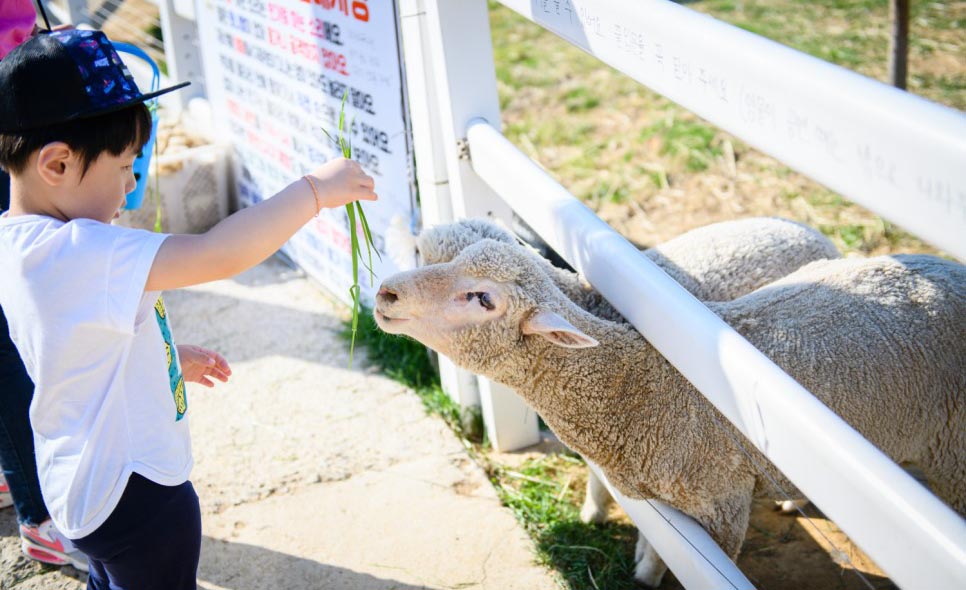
484,298
486,301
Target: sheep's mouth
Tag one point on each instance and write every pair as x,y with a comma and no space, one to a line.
382,317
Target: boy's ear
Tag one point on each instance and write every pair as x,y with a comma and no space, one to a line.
54,161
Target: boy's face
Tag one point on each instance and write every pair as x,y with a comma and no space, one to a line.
101,192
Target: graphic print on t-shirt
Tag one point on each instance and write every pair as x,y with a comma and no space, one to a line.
174,371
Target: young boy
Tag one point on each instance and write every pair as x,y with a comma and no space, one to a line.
39,538
82,300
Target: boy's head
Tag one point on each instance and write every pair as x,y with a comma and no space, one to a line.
72,121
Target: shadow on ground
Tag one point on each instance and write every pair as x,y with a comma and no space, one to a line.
239,566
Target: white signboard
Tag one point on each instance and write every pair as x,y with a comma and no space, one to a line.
277,71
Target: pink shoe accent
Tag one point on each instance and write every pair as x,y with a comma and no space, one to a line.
38,554
6,498
32,534
46,544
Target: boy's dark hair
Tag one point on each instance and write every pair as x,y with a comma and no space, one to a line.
113,133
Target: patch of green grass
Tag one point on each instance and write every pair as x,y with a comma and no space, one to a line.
842,55
155,31
722,6
545,500
614,194
949,89
580,99
851,235
694,141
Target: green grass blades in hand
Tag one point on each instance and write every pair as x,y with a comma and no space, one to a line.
354,212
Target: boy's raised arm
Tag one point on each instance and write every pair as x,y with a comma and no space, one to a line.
251,235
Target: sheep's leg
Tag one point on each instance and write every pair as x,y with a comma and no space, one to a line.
596,501
649,568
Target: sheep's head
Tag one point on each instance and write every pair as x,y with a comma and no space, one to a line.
488,302
442,243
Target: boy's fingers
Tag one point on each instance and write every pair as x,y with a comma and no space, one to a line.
206,382
221,363
216,370
219,375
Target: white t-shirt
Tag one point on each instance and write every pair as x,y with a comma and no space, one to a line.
109,397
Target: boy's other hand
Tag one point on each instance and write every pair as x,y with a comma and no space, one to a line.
343,181
199,365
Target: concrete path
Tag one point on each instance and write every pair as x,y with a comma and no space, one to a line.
312,476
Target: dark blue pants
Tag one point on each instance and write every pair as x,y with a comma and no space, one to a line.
16,438
152,540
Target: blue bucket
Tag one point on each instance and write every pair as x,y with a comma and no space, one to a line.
142,163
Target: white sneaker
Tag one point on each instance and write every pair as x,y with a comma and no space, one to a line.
44,543
6,499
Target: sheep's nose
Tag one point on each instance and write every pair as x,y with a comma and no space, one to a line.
386,295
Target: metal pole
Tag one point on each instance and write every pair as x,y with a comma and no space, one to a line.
899,42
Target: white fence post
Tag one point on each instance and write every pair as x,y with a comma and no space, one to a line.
72,12
454,70
431,175
181,47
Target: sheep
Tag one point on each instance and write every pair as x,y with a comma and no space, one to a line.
716,262
609,395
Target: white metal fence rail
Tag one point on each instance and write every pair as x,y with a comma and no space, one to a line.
896,154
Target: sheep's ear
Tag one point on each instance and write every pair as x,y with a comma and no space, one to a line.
557,330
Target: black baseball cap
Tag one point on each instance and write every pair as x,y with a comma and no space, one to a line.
61,76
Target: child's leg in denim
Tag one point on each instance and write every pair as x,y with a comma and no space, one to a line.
16,437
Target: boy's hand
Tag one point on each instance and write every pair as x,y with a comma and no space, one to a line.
342,181
198,364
